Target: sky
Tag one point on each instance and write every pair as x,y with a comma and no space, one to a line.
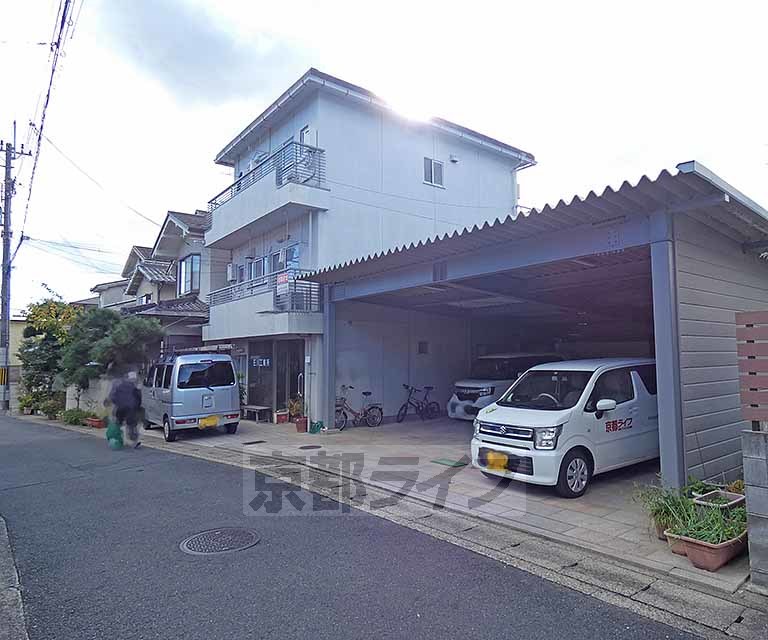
150,90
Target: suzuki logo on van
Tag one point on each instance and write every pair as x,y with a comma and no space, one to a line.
502,430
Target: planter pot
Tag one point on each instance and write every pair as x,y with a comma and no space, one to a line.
660,531
715,486
676,544
710,557
301,424
27,411
96,423
281,417
720,499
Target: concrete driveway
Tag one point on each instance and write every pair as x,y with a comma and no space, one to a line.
416,458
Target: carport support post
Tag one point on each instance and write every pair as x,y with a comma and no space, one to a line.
664,283
329,357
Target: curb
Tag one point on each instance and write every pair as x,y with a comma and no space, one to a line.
12,621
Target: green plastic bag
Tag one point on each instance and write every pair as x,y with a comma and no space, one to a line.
114,435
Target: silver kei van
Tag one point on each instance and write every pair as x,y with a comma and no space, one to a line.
191,391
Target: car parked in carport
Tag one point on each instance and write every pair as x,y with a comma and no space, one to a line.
561,424
490,377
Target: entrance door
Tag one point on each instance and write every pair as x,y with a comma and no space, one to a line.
289,356
260,373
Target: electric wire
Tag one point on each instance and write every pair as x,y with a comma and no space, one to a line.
61,19
96,182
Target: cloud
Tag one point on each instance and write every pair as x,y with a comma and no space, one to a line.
194,55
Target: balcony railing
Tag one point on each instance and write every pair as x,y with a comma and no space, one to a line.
288,294
293,162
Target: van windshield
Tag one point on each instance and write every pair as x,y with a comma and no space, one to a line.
206,374
546,390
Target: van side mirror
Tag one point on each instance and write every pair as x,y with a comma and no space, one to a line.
603,406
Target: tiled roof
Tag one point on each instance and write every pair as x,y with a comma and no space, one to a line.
186,307
194,222
157,270
109,285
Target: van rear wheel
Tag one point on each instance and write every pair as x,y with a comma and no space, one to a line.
232,428
168,433
575,474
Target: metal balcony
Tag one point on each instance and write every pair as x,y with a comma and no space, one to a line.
288,294
292,163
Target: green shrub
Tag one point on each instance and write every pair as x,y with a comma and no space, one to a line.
666,507
76,416
52,407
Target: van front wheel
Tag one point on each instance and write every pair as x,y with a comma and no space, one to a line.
575,474
168,433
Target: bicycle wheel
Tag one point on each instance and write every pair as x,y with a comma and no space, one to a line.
401,413
374,416
340,419
433,410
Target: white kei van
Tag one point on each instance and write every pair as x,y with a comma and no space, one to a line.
191,391
564,422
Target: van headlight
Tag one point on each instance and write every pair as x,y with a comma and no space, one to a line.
476,425
546,437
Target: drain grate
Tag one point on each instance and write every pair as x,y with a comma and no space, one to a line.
255,442
216,541
311,446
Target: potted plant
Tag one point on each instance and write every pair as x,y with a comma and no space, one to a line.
51,408
296,412
697,488
720,499
664,507
714,537
95,422
27,404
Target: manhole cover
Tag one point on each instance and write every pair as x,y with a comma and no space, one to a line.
311,446
224,540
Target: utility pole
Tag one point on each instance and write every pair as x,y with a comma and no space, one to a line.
9,186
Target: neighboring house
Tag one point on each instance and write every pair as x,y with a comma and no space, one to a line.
330,174
86,303
170,280
112,294
167,281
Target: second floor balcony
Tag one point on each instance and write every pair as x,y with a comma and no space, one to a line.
289,181
275,304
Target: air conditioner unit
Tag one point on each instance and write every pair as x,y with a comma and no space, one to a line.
231,272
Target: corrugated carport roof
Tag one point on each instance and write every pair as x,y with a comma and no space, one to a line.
691,188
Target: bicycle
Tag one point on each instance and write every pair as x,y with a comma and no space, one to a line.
424,408
370,413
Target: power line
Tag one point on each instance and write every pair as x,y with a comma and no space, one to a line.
62,19
72,245
105,268
94,181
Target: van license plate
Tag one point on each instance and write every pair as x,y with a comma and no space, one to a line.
497,461
210,421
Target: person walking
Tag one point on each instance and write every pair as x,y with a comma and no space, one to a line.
125,397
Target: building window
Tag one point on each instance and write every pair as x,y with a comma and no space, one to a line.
189,274
256,269
275,262
145,299
433,172
423,348
241,273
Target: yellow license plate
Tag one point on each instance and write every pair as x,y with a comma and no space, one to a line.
210,421
497,461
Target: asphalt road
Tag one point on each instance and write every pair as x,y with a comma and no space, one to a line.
96,534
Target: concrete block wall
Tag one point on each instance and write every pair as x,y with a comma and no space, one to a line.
755,449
